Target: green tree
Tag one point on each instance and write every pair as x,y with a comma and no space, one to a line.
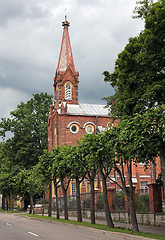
28,126
139,75
105,156
149,136
138,138
121,139
143,10
78,172
47,167
8,177
63,171
30,183
87,148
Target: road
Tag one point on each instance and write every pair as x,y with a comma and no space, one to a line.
16,227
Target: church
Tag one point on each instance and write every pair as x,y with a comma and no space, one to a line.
69,120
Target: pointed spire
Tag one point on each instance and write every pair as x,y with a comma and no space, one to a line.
66,57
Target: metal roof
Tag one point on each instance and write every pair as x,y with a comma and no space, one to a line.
87,109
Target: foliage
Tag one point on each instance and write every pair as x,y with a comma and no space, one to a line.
100,202
143,10
30,182
139,75
142,203
88,147
120,200
74,161
28,128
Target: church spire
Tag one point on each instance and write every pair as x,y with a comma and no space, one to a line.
66,77
66,57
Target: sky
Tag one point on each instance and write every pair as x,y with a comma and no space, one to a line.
30,40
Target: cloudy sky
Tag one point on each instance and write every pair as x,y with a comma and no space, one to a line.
30,40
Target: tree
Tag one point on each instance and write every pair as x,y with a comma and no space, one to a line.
47,167
139,75
149,136
28,126
136,139
105,156
78,172
121,140
8,177
32,183
143,10
63,171
87,147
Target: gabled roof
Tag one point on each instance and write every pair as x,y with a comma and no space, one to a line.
86,110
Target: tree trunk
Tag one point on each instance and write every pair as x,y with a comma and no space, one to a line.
65,201
3,201
131,199
78,200
50,199
31,204
65,206
57,206
43,198
134,223
162,160
7,201
106,204
11,201
92,202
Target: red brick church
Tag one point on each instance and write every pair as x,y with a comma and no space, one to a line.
69,120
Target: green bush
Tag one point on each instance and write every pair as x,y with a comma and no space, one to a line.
100,202
120,201
142,203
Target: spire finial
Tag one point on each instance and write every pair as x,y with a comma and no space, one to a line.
65,23
65,15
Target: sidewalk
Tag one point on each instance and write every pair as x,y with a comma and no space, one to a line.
142,228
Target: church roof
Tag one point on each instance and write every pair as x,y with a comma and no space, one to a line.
65,57
87,109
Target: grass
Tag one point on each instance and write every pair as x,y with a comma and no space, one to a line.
98,226
8,211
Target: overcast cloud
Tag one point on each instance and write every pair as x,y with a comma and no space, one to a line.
30,40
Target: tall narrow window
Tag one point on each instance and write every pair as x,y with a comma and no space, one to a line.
73,189
57,92
68,91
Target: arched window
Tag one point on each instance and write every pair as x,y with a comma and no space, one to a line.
68,91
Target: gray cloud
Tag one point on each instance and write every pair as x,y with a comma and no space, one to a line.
31,34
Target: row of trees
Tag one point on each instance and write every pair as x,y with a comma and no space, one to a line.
139,83
24,136
135,139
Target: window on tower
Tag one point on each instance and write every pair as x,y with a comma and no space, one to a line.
68,91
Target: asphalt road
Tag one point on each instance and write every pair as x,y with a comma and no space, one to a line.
16,227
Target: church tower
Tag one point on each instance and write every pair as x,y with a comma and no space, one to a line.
68,119
66,77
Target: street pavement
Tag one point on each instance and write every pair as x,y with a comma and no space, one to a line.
18,227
